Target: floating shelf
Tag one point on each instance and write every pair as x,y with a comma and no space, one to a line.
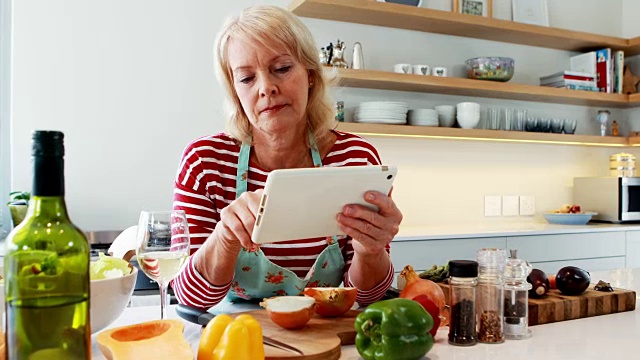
484,135
386,80
398,16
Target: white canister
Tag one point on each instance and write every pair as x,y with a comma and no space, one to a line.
622,165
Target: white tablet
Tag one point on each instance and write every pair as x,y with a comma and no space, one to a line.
304,203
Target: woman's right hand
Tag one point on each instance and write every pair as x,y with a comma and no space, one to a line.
236,222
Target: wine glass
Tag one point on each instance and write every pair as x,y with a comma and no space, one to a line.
162,247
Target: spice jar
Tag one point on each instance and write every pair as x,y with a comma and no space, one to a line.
463,278
516,298
622,165
489,295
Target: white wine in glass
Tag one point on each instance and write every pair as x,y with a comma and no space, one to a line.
163,248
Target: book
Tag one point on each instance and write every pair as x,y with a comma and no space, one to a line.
568,75
585,63
618,64
603,70
563,83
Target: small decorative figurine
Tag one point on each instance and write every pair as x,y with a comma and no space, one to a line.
603,119
629,82
614,128
337,58
329,50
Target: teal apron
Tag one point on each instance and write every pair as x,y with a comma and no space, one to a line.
256,277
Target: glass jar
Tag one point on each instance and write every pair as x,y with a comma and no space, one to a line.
622,165
463,278
489,295
340,111
516,298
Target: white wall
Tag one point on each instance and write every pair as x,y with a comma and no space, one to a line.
131,83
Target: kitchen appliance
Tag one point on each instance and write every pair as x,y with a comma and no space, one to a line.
615,199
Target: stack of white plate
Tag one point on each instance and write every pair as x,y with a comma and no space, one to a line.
381,112
423,117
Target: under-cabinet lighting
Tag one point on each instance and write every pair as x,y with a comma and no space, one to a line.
599,144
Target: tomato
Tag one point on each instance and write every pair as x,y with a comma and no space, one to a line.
432,309
552,281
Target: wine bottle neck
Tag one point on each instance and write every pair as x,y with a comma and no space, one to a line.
52,207
48,176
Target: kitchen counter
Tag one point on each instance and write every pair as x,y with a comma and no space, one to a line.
613,336
460,231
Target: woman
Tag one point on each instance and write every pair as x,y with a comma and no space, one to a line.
279,117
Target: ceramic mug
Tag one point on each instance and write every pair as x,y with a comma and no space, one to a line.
440,71
402,68
422,69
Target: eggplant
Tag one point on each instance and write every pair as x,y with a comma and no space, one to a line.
572,280
540,283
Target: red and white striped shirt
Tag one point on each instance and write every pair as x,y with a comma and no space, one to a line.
206,183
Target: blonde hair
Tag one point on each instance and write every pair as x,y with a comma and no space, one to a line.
274,27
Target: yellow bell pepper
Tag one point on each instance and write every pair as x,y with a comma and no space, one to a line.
227,339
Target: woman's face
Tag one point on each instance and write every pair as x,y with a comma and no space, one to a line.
272,86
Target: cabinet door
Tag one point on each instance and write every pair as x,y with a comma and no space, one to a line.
545,248
422,254
590,265
633,249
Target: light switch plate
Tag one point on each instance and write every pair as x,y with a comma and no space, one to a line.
527,205
510,205
492,205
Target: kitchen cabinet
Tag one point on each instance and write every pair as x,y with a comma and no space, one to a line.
423,254
443,22
633,249
591,251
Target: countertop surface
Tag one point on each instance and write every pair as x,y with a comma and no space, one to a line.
613,336
460,231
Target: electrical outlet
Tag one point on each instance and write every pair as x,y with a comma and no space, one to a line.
527,205
492,205
510,206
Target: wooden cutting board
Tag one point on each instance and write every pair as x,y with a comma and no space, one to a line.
558,307
321,339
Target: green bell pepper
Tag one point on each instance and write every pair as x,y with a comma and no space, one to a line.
396,329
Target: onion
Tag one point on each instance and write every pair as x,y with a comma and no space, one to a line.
290,312
417,286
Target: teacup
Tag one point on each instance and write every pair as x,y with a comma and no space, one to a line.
402,68
422,69
439,71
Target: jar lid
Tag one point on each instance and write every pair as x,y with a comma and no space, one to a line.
622,156
492,258
516,269
463,268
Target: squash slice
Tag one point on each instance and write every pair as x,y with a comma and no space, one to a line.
159,339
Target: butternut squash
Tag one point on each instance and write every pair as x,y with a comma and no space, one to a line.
159,339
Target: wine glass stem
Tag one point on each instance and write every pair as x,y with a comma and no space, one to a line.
163,300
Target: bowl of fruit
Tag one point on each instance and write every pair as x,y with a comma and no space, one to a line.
569,215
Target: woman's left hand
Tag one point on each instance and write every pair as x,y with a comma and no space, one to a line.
371,230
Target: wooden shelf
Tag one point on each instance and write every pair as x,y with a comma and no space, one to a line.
385,80
483,135
398,16
634,141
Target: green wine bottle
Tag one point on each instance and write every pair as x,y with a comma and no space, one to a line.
47,268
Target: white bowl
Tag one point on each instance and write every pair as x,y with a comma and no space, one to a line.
109,298
468,121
